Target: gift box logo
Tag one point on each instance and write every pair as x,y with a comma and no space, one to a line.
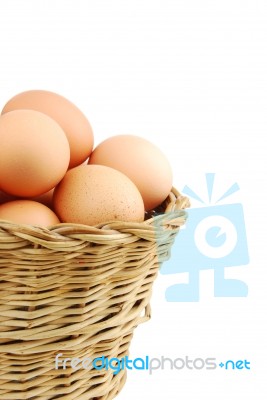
214,237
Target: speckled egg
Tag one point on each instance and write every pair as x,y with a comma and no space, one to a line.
140,160
93,194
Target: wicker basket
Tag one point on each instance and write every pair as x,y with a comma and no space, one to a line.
79,291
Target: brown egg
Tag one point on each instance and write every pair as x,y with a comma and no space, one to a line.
34,153
28,212
141,161
74,123
93,194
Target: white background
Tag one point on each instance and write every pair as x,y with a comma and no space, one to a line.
191,77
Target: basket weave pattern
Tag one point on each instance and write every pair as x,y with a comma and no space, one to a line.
79,291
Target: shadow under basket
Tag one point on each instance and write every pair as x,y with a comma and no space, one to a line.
75,291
